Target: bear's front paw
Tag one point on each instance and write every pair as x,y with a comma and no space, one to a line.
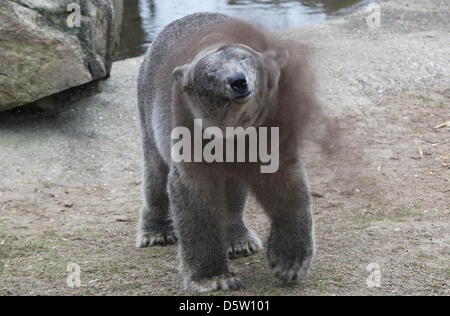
245,245
155,239
223,282
290,267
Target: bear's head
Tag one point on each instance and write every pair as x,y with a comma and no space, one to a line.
231,85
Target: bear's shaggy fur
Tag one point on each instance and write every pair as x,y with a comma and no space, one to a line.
183,77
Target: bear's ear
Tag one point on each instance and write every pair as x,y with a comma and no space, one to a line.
281,57
179,74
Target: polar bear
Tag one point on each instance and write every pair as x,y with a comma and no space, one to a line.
226,72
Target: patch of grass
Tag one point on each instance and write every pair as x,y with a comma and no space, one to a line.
326,273
125,288
439,273
446,273
31,258
158,258
14,248
373,213
437,214
50,267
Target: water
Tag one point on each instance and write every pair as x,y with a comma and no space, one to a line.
143,19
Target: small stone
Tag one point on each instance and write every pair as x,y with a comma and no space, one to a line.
68,204
121,219
93,282
317,194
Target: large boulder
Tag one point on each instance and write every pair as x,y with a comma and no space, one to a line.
41,55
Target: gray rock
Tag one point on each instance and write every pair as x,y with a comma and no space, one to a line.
40,55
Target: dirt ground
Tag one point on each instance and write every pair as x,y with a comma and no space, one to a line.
70,176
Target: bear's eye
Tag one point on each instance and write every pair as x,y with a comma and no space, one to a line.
211,75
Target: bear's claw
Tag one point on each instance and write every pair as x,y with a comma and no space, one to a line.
155,239
223,282
298,270
245,246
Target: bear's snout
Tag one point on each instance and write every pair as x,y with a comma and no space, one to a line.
238,83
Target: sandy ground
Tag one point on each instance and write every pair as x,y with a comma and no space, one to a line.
70,177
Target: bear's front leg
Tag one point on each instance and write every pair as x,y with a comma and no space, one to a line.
197,204
286,198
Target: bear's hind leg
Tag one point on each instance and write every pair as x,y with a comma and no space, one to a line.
240,240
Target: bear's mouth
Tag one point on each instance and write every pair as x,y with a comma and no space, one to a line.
242,98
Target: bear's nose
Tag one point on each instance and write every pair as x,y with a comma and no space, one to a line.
238,83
